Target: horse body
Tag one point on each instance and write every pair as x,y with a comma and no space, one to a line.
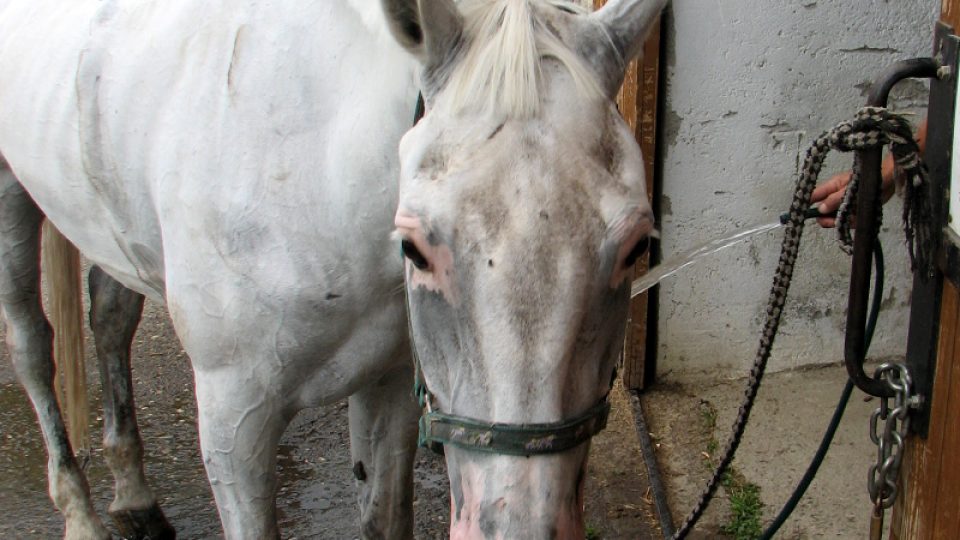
238,160
258,189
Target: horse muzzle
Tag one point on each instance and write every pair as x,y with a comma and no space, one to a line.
498,496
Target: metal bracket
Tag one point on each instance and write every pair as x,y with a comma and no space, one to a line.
928,290
868,225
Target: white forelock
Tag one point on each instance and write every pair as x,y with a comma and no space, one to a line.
500,72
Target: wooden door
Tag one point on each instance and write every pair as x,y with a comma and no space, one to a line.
929,503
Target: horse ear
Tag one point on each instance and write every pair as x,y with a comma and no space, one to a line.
430,29
624,26
403,16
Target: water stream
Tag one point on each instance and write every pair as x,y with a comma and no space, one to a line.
682,260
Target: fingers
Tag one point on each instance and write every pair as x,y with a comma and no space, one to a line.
828,196
836,183
827,222
832,203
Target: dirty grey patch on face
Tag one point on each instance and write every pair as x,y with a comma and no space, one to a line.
434,162
609,151
484,202
488,521
600,337
551,27
456,492
434,330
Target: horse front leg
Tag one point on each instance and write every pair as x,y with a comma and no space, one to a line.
383,444
241,422
114,316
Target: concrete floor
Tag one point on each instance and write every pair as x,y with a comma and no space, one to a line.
788,420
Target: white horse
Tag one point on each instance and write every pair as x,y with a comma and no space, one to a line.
238,161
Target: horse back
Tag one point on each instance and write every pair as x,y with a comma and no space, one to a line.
221,128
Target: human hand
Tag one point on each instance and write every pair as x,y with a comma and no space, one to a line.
829,195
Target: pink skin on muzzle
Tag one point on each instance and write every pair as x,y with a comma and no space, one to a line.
438,276
518,502
627,231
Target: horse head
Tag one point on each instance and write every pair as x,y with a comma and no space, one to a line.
522,209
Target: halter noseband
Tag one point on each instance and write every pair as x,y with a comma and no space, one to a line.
438,429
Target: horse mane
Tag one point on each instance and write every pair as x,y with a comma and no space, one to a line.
506,40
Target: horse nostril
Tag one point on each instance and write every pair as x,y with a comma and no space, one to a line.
411,252
638,250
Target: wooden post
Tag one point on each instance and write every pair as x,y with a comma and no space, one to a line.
950,13
638,105
928,505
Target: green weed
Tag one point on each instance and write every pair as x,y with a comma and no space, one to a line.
745,505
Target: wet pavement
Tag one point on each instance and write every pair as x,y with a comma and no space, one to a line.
317,497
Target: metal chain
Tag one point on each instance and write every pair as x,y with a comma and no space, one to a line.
888,430
871,127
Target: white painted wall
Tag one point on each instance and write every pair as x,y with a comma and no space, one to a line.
749,83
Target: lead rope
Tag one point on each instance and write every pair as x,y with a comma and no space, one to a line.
870,128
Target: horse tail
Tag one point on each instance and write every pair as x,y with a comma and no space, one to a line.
61,267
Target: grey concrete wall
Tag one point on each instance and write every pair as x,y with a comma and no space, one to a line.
749,83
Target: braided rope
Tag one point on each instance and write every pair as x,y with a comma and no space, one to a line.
870,128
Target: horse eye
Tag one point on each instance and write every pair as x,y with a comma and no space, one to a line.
638,250
411,252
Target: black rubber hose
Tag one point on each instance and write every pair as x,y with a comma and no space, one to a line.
657,491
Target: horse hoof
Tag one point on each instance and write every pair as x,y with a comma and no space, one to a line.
145,524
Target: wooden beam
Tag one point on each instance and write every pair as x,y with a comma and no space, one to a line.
915,511
928,505
950,13
642,97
